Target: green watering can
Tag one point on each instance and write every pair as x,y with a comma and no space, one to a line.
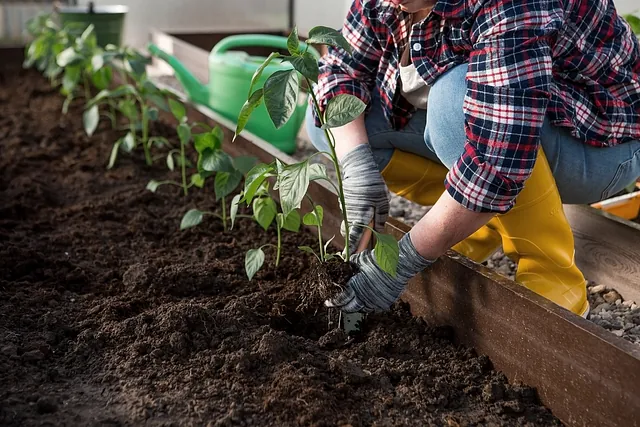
230,75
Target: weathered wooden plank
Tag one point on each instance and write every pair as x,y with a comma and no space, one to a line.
607,249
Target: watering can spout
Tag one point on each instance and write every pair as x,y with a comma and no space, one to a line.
196,91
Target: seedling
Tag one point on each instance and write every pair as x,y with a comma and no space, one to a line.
265,211
132,101
280,96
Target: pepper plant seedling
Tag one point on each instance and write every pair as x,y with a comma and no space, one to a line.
280,96
227,171
132,101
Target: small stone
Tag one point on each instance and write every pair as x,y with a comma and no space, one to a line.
611,297
604,323
52,303
597,289
606,315
628,326
634,306
618,332
627,303
602,307
618,302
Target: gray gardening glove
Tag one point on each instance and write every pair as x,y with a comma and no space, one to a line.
372,289
365,192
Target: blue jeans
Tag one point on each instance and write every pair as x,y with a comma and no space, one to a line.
583,174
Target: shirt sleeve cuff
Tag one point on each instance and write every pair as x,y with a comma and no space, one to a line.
477,186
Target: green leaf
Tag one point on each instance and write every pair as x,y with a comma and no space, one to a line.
293,41
153,185
244,163
317,171
315,217
247,108
114,153
128,108
160,141
306,64
123,90
97,61
184,133
170,163
233,210
387,253
197,180
68,57
291,222
192,218
293,181
202,141
328,36
90,119
253,261
177,109
158,101
151,113
101,79
216,161
264,211
129,142
255,178
218,135
308,250
326,245
342,109
281,96
634,22
258,73
225,183
71,78
66,104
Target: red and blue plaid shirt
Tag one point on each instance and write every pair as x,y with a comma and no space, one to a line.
575,61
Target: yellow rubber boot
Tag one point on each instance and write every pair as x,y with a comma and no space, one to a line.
537,236
421,181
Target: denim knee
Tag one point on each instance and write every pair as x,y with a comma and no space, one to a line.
445,133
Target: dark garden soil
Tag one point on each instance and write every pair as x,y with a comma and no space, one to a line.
109,315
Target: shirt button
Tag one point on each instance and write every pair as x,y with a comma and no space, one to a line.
417,46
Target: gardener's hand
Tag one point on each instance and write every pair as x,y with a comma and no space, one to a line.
372,289
365,192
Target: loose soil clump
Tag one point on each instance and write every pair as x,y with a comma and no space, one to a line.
112,316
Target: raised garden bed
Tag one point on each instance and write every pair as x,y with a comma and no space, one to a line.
112,315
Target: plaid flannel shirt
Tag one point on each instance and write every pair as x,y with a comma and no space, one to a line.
575,61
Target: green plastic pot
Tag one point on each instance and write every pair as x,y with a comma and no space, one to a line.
108,21
230,74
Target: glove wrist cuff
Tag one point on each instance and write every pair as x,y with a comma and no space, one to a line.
359,159
410,260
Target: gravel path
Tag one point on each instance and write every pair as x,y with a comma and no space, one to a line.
608,309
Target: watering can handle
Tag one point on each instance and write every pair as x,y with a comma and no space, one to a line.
253,40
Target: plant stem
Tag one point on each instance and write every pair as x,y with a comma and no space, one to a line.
224,213
336,164
184,169
279,245
321,247
145,134
87,93
114,122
